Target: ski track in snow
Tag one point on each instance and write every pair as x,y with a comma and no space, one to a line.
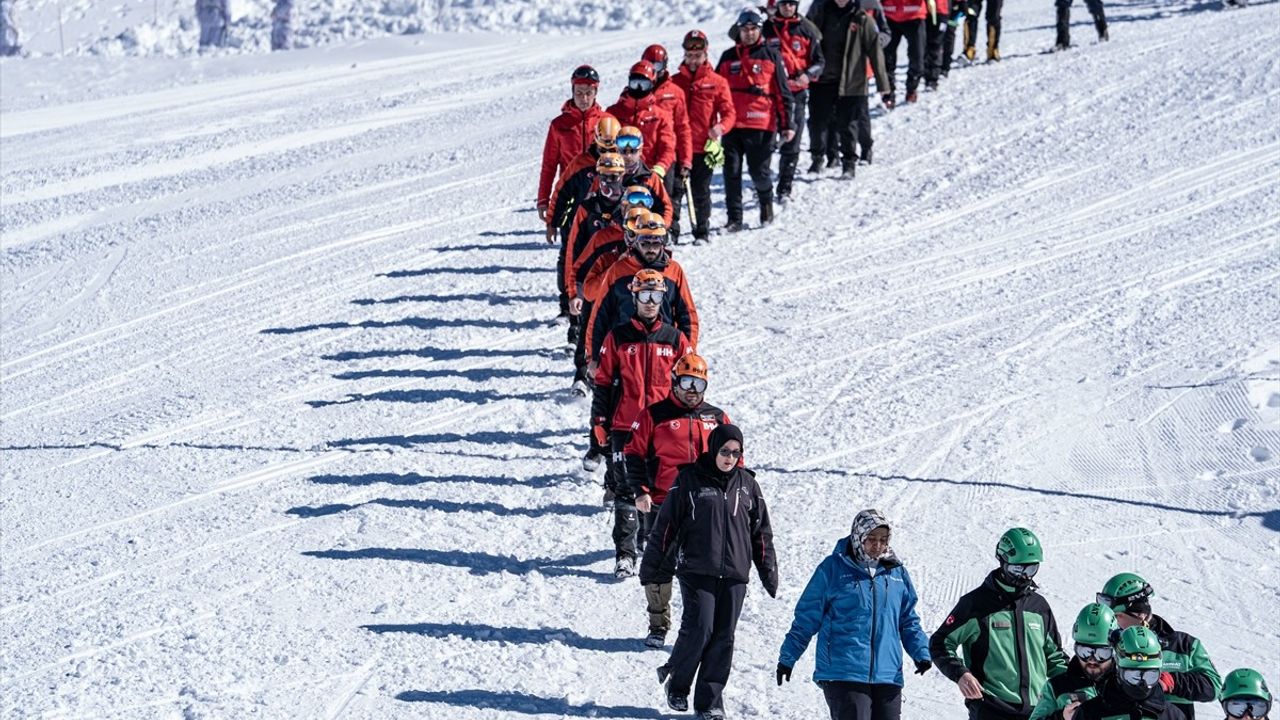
286,429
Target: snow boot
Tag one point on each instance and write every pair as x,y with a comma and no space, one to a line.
579,388
889,100
766,212
931,85
866,156
1064,29
912,97
591,461
850,169
993,45
624,568
1100,24
733,226
655,640
815,167
786,174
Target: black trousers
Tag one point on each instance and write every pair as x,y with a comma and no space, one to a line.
913,31
580,343
851,116
675,190
560,261
626,519
862,701
755,147
948,48
789,153
935,40
993,21
979,710
700,186
704,645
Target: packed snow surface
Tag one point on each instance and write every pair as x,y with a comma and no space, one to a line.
287,431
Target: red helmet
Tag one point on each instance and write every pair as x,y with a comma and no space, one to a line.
695,40
644,69
657,56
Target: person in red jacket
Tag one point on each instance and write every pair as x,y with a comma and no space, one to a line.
711,115
570,134
638,106
762,105
906,20
634,372
799,43
665,437
672,98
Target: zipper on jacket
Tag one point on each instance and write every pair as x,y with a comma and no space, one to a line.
871,669
1024,667
724,550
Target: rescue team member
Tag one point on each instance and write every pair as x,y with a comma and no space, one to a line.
711,115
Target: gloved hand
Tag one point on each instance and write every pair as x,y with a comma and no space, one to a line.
660,171
715,153
599,437
682,172
784,673
922,666
1166,681
801,81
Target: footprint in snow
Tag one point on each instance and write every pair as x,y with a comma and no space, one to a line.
1260,454
1230,427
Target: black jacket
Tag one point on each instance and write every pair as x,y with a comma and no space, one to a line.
1111,702
716,524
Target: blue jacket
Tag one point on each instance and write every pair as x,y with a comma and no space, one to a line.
862,623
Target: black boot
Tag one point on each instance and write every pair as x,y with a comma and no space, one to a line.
832,160
866,155
850,168
786,173
1100,24
766,211
815,166
733,226
1064,29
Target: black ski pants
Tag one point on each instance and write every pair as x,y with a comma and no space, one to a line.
862,701
914,32
937,50
700,186
993,22
626,519
850,114
755,147
560,261
789,152
1095,6
979,710
580,343
675,191
704,645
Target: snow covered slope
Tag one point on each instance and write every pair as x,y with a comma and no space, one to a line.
283,436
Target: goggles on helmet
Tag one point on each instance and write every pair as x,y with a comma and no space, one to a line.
629,142
639,197
1022,570
688,382
1139,676
650,297
695,42
1237,707
586,73
1095,653
640,84
1126,600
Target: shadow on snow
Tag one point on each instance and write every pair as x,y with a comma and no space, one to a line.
527,704
513,635
419,323
450,507
538,481
478,563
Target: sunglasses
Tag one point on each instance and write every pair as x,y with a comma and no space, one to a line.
629,142
1256,707
688,382
639,197
1095,653
1138,676
727,453
1022,570
650,297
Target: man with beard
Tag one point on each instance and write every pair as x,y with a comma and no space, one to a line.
1133,691
1094,658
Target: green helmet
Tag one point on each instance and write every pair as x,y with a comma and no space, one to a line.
1244,682
1019,546
1127,592
1138,648
1094,625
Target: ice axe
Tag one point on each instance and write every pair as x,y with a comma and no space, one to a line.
688,195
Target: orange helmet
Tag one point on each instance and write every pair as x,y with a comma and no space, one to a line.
651,227
607,132
611,163
633,217
630,137
690,366
648,279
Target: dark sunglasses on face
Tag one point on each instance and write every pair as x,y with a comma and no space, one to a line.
1237,707
637,197
1095,653
629,142
1138,676
688,382
727,453
1019,570
650,297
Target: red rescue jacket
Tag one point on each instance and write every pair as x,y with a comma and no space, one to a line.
798,42
601,251
904,10
635,370
614,304
757,79
568,137
666,436
673,99
710,102
655,125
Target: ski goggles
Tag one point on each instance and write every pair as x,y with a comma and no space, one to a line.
1139,676
1122,604
1095,653
650,297
639,197
629,142
690,383
1022,570
695,40
1237,707
640,84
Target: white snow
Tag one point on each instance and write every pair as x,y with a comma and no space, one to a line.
283,434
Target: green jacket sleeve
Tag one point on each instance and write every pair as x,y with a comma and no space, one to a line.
959,629
1055,658
1201,682
1047,707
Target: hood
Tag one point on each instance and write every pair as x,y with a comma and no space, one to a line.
863,523
721,435
844,550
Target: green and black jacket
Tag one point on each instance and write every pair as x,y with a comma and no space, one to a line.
1007,638
1195,679
1062,690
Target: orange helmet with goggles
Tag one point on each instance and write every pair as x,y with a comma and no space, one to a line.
634,216
607,128
611,163
690,365
648,279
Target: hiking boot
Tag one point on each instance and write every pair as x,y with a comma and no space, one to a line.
850,169
815,167
579,388
591,461
701,239
608,501
889,101
679,703
766,213
831,161
930,85
1100,24
912,97
733,226
712,714
624,568
970,53
655,640
866,156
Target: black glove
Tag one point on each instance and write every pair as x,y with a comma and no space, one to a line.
922,666
784,673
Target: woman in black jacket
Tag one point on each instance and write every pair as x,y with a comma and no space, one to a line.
714,525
